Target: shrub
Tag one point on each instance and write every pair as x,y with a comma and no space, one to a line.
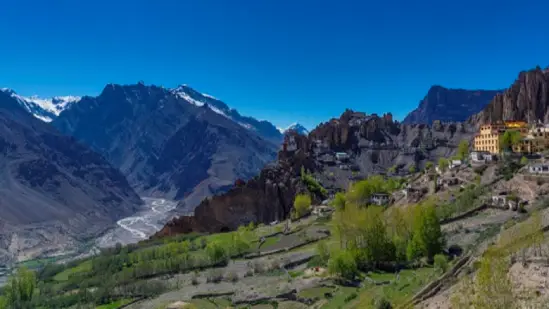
339,201
480,169
441,263
302,204
311,183
214,275
350,297
258,267
194,279
523,161
232,277
382,303
412,169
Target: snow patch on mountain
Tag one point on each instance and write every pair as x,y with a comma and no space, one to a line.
300,129
43,109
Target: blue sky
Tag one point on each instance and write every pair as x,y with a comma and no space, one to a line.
284,60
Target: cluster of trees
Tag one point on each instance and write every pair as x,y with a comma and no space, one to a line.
509,139
122,272
20,290
360,192
371,238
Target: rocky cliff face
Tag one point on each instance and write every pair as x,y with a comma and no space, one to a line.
373,144
167,144
53,190
449,105
527,99
264,198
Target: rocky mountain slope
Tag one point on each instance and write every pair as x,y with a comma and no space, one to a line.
172,144
373,143
527,99
449,105
53,191
264,198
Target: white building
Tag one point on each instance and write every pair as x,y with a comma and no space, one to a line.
481,157
455,164
379,199
342,156
539,168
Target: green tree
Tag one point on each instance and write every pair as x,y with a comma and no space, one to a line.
523,161
302,204
216,252
19,291
509,139
412,169
3,303
443,164
392,169
343,264
323,252
339,201
441,263
427,237
463,150
429,166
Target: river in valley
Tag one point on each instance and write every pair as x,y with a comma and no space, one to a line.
140,226
147,221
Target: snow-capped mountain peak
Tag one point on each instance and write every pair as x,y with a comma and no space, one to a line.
296,127
201,99
43,109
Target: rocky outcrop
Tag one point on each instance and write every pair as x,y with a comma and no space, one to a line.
265,198
527,99
53,190
449,105
374,143
168,144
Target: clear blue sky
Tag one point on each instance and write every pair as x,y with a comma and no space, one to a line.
283,60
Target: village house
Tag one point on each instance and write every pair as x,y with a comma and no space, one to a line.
481,157
538,168
327,159
455,164
379,199
322,211
342,156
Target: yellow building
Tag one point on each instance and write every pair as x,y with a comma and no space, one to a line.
489,135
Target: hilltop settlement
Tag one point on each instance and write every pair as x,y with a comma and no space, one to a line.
362,212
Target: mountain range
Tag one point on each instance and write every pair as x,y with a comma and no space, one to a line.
54,192
171,143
